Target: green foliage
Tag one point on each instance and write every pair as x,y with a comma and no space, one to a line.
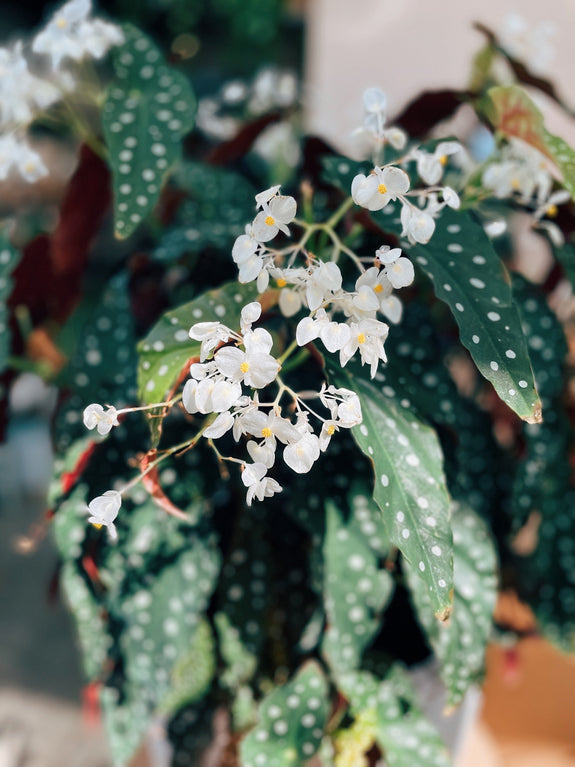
356,591
9,258
460,643
149,109
291,722
409,485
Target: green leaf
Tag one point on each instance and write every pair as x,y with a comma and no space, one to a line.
149,108
241,663
193,672
406,737
409,482
95,640
564,157
291,722
469,276
356,591
168,347
460,643
9,258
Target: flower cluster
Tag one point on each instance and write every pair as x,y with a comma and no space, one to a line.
519,170
71,34
218,386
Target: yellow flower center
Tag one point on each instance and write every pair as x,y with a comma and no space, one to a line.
281,282
361,338
378,288
331,429
515,183
382,189
270,220
61,23
96,525
30,167
443,159
244,367
266,431
551,211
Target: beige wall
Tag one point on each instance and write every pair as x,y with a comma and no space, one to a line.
405,46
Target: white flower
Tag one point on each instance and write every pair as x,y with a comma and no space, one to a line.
210,395
323,282
301,455
28,162
450,197
400,273
328,429
95,417
104,510
22,95
250,313
259,486
349,411
71,34
275,216
380,187
222,424
368,336
522,169
374,101
549,208
430,165
211,334
289,302
254,367
418,225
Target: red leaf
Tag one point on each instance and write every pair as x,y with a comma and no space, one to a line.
69,478
152,484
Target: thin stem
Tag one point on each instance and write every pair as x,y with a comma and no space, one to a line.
288,351
339,213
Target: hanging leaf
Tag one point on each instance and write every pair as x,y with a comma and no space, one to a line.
460,643
409,482
149,109
291,722
356,591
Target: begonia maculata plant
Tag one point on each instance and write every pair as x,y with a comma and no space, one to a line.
307,430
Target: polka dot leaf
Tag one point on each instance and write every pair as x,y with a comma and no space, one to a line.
469,276
149,109
9,258
404,734
167,347
356,592
291,722
460,643
409,484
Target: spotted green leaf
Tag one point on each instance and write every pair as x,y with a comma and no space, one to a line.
148,110
241,663
9,258
409,482
404,734
469,276
95,639
167,347
460,643
291,722
356,591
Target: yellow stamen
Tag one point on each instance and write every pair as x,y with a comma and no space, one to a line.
378,288
96,525
515,183
551,211
361,338
443,159
281,282
244,367
382,189
270,220
331,429
266,431
30,167
61,23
